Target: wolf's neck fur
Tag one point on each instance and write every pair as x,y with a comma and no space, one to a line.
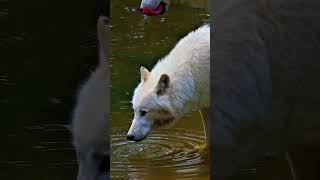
91,109
188,66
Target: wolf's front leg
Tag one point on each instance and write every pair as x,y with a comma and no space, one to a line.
205,115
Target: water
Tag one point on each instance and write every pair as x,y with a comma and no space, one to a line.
46,50
136,41
165,154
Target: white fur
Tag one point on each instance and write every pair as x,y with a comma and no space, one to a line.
188,67
89,125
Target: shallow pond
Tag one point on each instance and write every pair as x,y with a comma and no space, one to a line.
138,40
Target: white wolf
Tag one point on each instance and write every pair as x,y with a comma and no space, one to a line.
89,126
178,84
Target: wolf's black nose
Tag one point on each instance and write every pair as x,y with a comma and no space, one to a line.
130,137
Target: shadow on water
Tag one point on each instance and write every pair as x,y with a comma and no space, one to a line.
136,41
46,49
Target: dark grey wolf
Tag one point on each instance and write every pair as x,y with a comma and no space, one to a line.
266,79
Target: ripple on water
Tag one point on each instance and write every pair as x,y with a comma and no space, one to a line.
164,152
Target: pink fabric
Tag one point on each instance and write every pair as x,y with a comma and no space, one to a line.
155,12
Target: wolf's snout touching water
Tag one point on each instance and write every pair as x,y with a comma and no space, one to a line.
178,84
89,125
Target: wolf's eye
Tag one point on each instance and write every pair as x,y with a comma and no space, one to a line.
142,113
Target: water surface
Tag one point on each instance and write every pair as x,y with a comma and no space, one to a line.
47,48
138,40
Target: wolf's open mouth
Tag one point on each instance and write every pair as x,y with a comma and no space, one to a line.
154,12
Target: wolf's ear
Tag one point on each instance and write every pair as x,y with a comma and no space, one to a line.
144,74
163,84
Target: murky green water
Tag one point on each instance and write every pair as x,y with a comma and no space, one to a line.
136,41
46,49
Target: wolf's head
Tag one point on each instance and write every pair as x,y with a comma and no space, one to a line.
152,105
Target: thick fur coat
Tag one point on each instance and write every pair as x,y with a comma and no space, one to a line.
90,125
266,80
178,84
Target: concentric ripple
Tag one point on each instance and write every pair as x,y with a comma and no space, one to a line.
168,153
